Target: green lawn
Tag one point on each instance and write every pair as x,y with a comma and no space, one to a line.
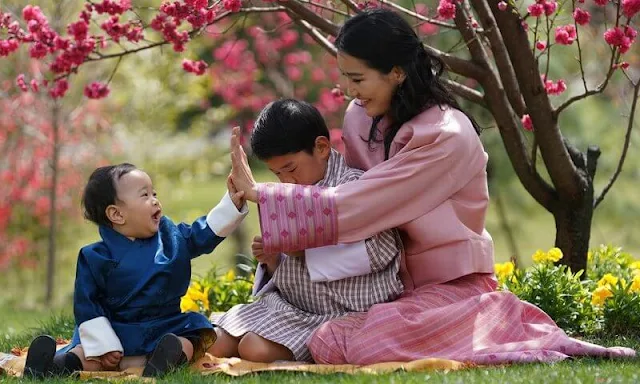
584,370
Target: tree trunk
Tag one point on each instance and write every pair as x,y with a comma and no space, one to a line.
573,231
53,197
573,218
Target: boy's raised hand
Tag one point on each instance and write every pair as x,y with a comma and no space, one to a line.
236,197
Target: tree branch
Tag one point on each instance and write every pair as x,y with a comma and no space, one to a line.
351,5
306,14
563,173
465,92
325,7
507,120
191,34
505,69
625,148
417,15
315,34
463,67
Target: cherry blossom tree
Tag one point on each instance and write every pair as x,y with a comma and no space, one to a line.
502,64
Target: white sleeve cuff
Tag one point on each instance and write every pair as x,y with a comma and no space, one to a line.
261,283
336,262
224,218
97,337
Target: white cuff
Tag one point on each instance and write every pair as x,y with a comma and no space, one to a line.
261,283
224,218
336,262
97,337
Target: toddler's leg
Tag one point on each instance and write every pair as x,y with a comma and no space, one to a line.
40,357
75,356
42,360
256,348
167,355
225,345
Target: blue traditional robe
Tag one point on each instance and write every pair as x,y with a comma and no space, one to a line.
127,292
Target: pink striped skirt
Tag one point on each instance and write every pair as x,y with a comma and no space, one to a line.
464,320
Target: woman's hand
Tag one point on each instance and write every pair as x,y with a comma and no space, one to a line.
241,175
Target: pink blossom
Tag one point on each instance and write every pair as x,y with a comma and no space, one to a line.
554,88
536,10
113,7
78,30
21,83
38,50
197,67
541,45
502,6
527,124
581,16
566,34
549,7
294,73
232,5
96,90
59,89
620,38
34,85
630,7
8,46
602,3
197,4
446,9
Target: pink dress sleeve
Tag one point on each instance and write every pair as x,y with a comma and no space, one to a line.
433,156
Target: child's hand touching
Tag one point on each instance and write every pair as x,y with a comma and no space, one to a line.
236,197
110,360
271,261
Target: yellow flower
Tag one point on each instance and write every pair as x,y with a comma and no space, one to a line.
635,285
608,280
600,295
539,257
504,270
230,276
554,254
589,255
188,305
635,265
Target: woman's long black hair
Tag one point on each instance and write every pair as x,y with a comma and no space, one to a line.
383,40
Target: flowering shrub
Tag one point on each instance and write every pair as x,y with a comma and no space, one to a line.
606,301
217,293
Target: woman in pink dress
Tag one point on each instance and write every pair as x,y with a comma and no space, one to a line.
425,175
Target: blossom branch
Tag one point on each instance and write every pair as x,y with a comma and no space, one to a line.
313,19
315,34
625,148
465,92
505,69
417,15
351,5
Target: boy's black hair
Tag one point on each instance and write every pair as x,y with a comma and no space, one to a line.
100,192
287,126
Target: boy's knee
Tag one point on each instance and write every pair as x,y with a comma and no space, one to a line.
187,348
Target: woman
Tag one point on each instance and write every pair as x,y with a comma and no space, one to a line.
426,175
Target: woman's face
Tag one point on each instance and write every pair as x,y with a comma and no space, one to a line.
372,88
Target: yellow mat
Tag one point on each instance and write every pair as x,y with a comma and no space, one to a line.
13,365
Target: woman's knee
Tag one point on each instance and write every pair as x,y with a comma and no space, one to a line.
324,347
253,347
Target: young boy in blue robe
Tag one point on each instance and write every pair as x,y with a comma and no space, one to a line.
129,285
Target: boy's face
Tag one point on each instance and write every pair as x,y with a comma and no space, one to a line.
301,167
137,211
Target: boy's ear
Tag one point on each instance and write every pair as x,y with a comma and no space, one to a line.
323,147
114,214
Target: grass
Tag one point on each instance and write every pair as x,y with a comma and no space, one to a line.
582,370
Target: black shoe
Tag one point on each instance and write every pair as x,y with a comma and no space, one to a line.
166,356
40,357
